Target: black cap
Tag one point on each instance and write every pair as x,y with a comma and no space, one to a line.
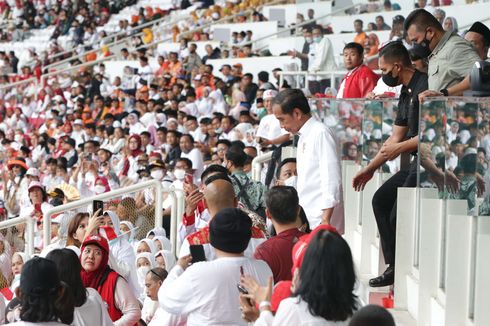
230,230
71,142
39,277
398,19
481,29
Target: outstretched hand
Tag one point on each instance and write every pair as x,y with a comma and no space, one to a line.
362,177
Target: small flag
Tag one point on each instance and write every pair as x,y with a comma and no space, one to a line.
7,293
110,234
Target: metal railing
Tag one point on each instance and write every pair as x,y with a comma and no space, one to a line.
115,35
116,193
257,165
225,19
307,22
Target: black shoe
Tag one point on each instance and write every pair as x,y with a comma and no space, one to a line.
385,279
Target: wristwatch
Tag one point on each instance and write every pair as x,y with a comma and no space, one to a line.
444,92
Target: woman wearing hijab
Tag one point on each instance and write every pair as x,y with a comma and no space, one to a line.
165,259
101,185
121,256
129,231
122,305
88,303
146,245
18,261
130,164
450,25
159,236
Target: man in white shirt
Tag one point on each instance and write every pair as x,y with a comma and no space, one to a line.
193,154
319,182
207,291
320,58
269,131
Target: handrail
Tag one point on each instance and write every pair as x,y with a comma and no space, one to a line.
307,22
144,46
257,165
115,42
111,194
219,21
20,82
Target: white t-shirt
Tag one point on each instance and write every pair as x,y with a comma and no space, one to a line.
293,311
270,128
92,312
207,291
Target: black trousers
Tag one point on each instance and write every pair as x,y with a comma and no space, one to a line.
384,207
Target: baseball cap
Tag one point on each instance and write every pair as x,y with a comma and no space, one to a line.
33,171
35,184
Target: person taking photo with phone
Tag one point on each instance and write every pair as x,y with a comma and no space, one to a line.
207,291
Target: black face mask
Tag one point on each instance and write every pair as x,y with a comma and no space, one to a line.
422,49
390,80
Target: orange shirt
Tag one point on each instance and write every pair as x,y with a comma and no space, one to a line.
361,38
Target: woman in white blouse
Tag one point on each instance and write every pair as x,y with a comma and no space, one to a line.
89,307
322,289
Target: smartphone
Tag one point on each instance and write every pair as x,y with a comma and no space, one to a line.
189,179
88,157
96,205
197,253
241,289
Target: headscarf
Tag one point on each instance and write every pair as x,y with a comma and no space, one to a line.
104,182
168,257
158,231
150,243
135,153
166,244
455,24
92,279
132,233
148,256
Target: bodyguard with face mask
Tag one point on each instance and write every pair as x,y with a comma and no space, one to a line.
394,62
450,56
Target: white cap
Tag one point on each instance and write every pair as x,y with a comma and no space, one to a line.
78,122
116,124
33,171
75,84
268,94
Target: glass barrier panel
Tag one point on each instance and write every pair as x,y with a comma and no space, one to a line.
454,142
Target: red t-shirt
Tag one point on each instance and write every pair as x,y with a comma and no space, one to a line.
277,253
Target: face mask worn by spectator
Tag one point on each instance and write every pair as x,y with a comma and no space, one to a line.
422,49
291,181
390,80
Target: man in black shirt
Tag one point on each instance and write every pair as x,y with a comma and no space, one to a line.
394,62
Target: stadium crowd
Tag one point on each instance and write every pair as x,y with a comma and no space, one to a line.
267,252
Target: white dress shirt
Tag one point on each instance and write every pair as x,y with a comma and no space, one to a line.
319,176
207,291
